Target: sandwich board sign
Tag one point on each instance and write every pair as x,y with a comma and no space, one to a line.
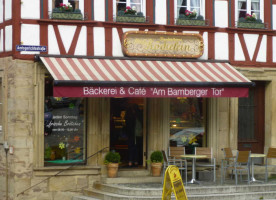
173,183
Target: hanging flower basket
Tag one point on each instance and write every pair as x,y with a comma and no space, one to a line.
190,22
253,25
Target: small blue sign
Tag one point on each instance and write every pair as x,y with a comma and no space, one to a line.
31,48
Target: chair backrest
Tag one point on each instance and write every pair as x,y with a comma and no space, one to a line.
176,152
243,156
228,153
271,152
165,158
204,151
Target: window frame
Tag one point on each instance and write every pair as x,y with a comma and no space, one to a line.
202,8
143,7
248,10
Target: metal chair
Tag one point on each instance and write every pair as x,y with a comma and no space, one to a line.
271,154
242,163
227,162
180,163
211,160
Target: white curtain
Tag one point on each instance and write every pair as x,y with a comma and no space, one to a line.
195,4
242,8
137,4
255,7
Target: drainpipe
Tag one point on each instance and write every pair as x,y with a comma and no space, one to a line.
6,148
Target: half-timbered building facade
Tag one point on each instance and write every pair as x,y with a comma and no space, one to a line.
68,85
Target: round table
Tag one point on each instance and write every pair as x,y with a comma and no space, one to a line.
252,156
194,157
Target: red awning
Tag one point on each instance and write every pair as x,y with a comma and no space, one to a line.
83,77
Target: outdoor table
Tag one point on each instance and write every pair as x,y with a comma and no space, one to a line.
194,157
252,156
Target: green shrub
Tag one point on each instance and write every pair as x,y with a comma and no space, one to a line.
156,157
112,157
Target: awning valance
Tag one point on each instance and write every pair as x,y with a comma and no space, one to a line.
85,77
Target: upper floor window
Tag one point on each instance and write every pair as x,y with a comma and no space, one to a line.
73,3
190,5
131,11
137,5
66,9
245,7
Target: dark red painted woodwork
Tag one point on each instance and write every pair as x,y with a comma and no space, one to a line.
110,10
269,49
244,48
74,42
211,45
87,9
108,42
16,13
267,13
59,41
231,41
44,37
149,10
257,49
171,12
90,41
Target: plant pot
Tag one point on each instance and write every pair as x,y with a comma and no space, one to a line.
190,22
131,18
253,25
156,169
67,15
112,170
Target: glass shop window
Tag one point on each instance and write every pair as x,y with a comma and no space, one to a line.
64,129
187,123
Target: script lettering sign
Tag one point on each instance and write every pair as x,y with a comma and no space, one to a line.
162,44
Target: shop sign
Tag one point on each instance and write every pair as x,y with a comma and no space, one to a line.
98,91
173,183
162,44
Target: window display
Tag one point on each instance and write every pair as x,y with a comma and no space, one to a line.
187,123
64,130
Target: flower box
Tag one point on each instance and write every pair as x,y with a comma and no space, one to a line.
67,15
254,25
131,18
190,22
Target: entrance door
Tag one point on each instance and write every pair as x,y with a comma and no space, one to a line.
127,132
251,120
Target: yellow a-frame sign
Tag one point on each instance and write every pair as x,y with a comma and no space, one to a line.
173,182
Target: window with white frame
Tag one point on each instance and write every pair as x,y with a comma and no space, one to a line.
121,5
244,7
181,7
73,3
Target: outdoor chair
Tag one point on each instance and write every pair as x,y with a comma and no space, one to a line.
271,154
180,163
208,152
227,162
242,163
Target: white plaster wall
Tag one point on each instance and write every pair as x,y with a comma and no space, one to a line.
99,41
274,49
261,57
8,38
53,45
99,12
221,46
205,53
239,56
274,16
116,44
67,35
81,6
161,12
50,6
30,9
30,36
81,48
8,9
1,11
1,41
130,29
251,42
221,13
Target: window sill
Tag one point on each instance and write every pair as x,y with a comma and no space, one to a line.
190,22
131,19
251,25
77,170
67,15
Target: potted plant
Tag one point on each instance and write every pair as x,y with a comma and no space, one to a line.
156,159
66,11
130,15
112,160
190,19
250,21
